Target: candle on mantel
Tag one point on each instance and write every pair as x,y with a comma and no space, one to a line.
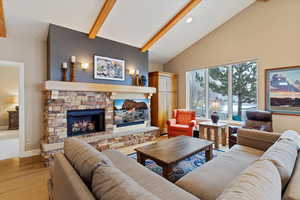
65,65
73,59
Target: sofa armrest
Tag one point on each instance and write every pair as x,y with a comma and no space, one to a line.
171,122
256,139
192,123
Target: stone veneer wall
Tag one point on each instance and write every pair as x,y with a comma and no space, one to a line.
59,102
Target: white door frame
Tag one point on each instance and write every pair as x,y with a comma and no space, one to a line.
21,96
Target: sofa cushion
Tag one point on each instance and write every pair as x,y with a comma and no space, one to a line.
292,191
180,126
260,181
208,181
84,158
283,155
66,183
184,116
261,140
109,183
147,179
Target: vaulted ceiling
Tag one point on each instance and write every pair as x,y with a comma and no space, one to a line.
132,22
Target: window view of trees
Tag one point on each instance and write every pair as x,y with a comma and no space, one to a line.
197,92
218,91
242,94
244,89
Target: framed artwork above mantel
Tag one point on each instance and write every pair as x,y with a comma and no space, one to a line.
283,90
109,68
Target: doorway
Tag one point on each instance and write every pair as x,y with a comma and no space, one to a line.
11,110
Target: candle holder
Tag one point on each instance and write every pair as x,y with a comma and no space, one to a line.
64,74
73,72
137,80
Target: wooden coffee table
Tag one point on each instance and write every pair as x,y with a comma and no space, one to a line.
169,152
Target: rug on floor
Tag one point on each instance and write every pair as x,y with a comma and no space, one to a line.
183,167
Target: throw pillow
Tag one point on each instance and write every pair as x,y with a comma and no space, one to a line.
109,183
283,155
260,181
84,158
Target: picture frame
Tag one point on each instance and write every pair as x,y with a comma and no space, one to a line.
106,68
282,90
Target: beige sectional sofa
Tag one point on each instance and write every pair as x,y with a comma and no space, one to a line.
247,172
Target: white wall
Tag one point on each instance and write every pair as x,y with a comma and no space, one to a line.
267,31
153,67
32,53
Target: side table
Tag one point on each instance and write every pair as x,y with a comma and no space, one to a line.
13,120
219,130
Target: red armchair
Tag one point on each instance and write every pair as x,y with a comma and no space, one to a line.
182,123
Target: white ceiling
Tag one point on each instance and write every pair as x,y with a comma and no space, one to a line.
131,21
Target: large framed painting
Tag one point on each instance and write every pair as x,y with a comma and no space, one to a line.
109,68
283,90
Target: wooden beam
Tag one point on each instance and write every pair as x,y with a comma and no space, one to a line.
107,7
170,24
2,20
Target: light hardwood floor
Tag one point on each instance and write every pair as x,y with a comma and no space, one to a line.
23,180
26,179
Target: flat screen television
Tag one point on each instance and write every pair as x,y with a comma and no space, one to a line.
129,112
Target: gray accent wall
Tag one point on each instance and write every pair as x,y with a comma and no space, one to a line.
64,43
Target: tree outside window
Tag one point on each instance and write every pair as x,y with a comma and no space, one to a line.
243,94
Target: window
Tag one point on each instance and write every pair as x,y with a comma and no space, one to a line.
218,91
197,92
229,90
244,89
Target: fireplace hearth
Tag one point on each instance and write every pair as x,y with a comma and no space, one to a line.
81,122
86,111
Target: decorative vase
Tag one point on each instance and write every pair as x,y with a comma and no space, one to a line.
215,117
143,80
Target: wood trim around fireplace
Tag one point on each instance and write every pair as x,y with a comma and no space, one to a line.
96,87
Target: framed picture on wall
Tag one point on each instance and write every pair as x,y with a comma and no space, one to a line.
283,90
109,68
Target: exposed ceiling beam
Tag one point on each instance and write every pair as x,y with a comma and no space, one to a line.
170,24
2,20
107,7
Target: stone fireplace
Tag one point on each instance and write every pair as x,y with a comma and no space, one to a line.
81,122
86,111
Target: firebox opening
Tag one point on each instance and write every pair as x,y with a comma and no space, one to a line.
80,122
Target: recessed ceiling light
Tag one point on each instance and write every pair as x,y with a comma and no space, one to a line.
189,20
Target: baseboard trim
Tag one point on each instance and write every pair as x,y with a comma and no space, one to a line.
34,152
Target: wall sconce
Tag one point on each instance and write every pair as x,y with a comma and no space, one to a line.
131,72
84,66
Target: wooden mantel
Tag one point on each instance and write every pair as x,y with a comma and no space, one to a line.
96,87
